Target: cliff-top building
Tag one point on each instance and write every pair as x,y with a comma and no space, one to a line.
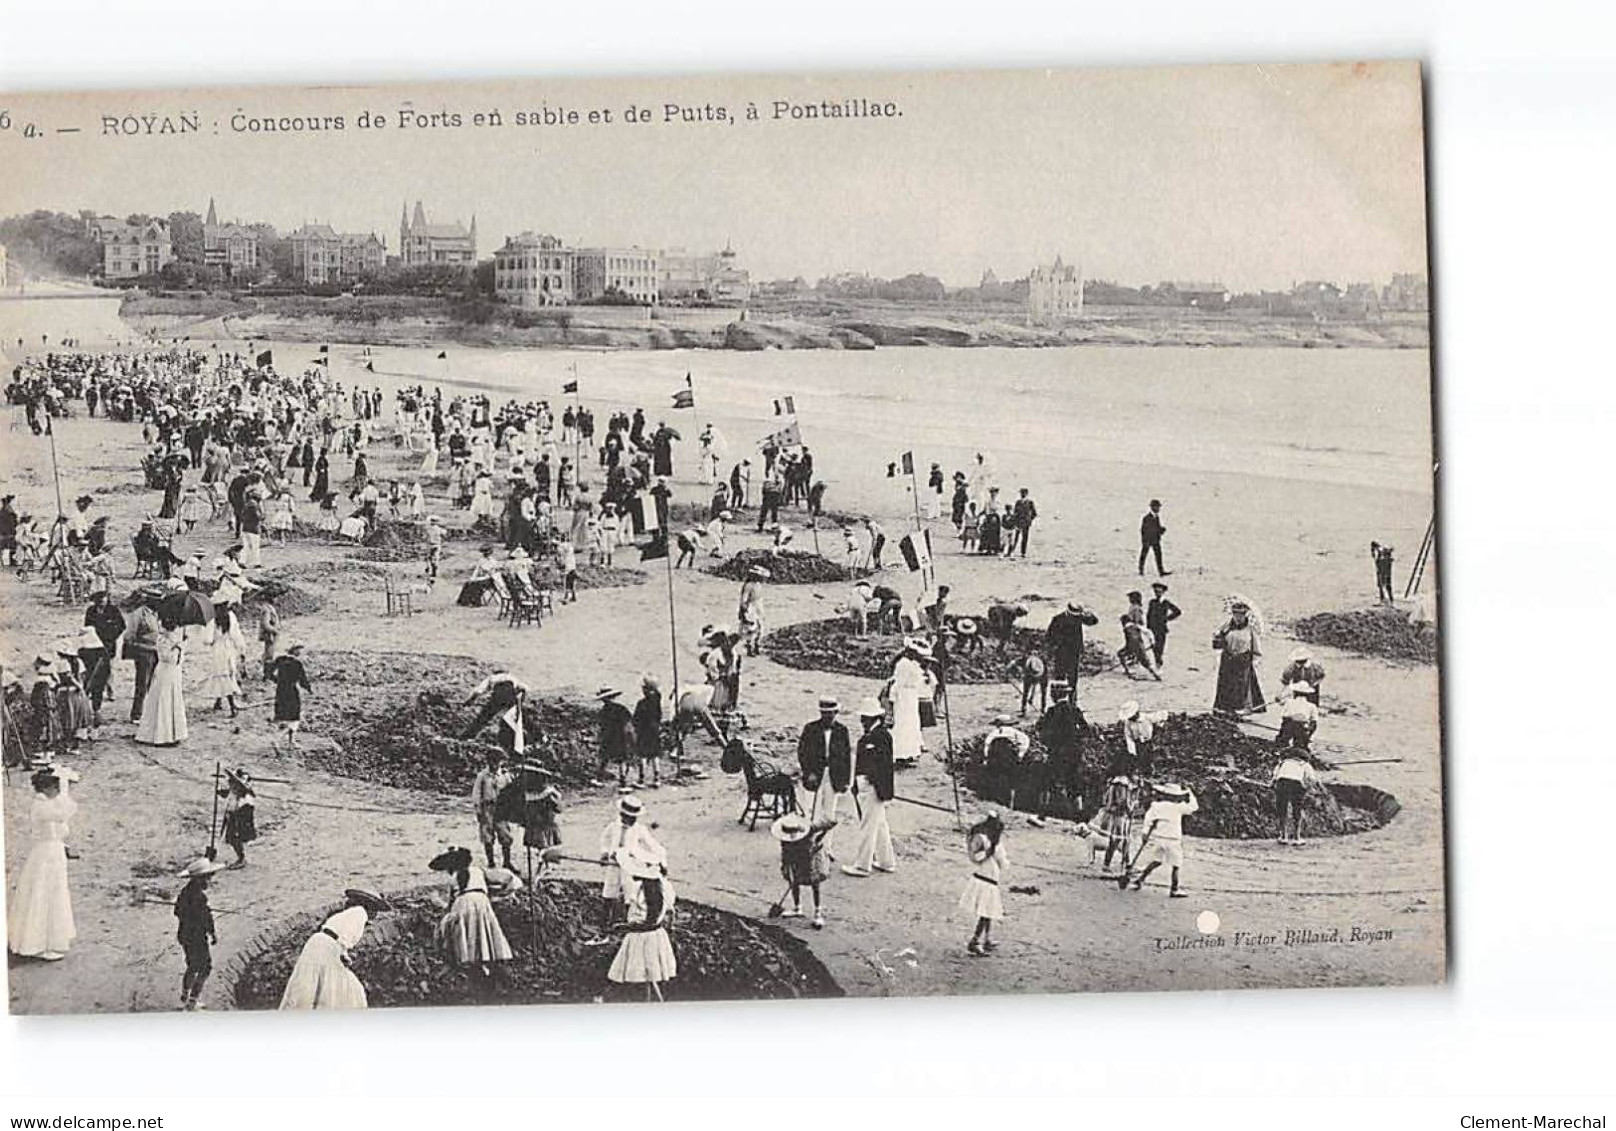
231,247
715,277
632,272
321,254
129,251
424,244
533,270
1055,292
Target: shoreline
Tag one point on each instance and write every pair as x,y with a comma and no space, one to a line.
408,321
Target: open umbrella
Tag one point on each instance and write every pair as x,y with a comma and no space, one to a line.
186,608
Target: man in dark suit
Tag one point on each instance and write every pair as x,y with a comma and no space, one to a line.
1150,536
1064,642
873,769
825,753
1158,616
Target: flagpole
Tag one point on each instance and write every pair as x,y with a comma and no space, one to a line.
673,648
577,430
56,472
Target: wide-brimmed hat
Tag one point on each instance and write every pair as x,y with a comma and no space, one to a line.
1301,655
638,864
607,693
870,708
1301,687
372,901
965,626
1127,711
1171,789
759,572
66,646
451,860
45,663
630,806
201,866
916,644
239,775
1003,720
89,638
790,829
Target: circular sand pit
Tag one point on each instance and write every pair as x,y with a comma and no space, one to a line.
1382,631
330,576
786,567
289,600
834,645
610,577
1229,771
396,719
721,956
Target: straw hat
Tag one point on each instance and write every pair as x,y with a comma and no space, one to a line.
240,776
371,901
88,638
201,866
1172,789
630,806
790,829
1127,711
1301,655
965,626
759,572
870,708
607,693
1003,720
829,703
1301,687
639,864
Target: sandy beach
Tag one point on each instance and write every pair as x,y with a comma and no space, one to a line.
1277,468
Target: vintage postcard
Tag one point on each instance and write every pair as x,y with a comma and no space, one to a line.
719,538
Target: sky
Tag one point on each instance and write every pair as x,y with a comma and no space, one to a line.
1256,177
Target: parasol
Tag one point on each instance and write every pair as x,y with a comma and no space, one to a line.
186,608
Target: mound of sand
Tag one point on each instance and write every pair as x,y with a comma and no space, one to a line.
289,600
834,645
1382,631
396,719
721,956
1229,771
786,567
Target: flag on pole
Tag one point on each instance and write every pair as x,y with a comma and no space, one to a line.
785,406
264,359
685,397
570,387
443,355
370,367
904,464
325,349
916,551
788,437
321,361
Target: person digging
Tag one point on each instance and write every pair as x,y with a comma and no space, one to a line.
1164,837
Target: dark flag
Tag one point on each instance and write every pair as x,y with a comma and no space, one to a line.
786,407
325,349
370,367
685,397
905,464
322,361
443,355
570,387
264,359
916,551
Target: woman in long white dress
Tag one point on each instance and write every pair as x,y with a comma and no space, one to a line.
469,931
226,649
39,918
908,684
321,978
646,953
482,496
162,719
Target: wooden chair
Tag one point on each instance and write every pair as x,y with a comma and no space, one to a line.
527,604
502,591
399,599
770,792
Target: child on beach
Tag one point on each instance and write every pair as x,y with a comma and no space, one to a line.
240,823
803,859
610,530
969,529
192,509
434,543
282,516
984,844
1164,836
196,934
568,555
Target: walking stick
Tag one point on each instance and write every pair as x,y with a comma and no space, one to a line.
926,805
213,825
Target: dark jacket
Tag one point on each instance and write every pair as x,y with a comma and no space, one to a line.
812,756
1062,729
1160,612
648,724
875,760
107,621
1065,635
1151,528
195,916
616,731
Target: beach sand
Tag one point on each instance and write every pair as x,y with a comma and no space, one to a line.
1294,539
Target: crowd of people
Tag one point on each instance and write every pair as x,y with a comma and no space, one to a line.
227,434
